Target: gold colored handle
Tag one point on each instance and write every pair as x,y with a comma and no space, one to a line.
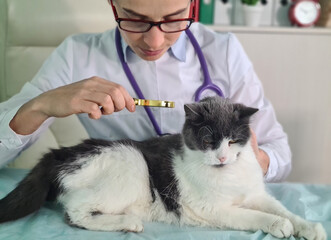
154,103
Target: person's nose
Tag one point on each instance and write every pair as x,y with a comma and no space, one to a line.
154,38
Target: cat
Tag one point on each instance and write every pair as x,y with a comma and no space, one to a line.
206,176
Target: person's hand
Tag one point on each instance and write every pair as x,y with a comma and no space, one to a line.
94,96
261,156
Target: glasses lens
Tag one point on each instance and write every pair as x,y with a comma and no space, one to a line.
175,26
134,26
139,27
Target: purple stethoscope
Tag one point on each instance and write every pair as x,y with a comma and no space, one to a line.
206,85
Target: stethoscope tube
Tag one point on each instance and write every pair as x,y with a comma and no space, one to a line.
207,84
133,81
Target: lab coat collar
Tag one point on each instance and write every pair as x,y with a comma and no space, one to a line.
179,48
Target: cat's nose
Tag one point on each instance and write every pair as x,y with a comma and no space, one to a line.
222,159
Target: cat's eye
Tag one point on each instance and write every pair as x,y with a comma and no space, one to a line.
207,143
232,142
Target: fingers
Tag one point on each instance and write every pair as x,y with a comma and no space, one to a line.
119,95
254,143
103,101
113,101
108,97
94,96
129,102
92,109
261,156
121,99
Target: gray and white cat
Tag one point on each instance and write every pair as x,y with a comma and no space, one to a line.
206,176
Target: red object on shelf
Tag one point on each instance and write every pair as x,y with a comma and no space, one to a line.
298,19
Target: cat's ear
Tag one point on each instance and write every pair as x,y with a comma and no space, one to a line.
243,111
247,112
192,111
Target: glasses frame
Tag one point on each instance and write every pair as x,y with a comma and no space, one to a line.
152,23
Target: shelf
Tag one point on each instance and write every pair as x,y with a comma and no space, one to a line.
272,30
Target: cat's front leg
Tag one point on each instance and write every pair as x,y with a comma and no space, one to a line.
105,222
233,217
302,227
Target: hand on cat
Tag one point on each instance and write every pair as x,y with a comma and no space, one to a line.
95,96
261,156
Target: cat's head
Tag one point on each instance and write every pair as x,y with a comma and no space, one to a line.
218,128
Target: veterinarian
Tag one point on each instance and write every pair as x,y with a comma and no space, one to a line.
85,76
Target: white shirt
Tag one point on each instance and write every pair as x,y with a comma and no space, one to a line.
175,77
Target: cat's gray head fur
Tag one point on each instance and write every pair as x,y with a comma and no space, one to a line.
213,119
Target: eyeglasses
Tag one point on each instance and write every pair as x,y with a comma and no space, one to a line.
141,26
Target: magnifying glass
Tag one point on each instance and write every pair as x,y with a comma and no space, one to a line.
154,103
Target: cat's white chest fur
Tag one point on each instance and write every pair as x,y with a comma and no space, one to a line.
208,188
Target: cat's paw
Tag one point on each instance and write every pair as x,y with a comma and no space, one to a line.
281,228
320,232
311,231
133,224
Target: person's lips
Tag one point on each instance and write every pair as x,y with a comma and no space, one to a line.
151,52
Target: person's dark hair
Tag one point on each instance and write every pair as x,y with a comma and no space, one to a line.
193,9
109,1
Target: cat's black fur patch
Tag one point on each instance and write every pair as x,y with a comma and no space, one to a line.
158,153
95,213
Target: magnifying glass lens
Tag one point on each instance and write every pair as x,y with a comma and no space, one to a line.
154,103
